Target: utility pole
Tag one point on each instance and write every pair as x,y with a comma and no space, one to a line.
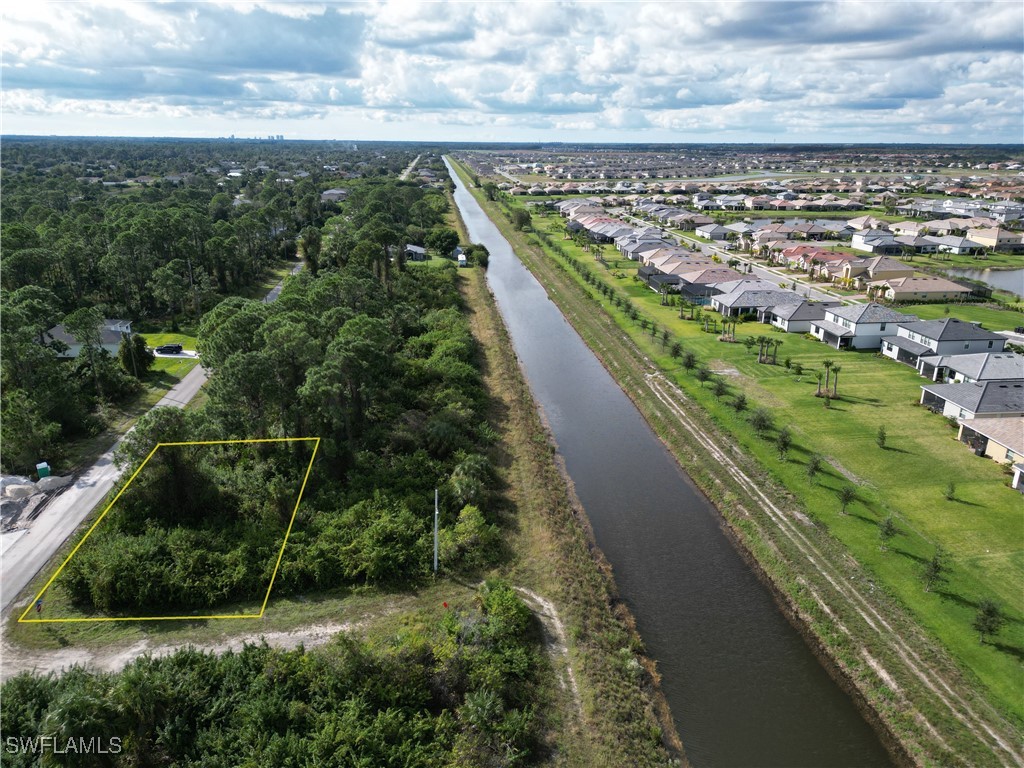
436,516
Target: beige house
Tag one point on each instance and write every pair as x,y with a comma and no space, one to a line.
861,271
918,289
996,238
1001,439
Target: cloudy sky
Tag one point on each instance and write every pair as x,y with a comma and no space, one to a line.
834,70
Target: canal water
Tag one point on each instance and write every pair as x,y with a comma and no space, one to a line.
743,687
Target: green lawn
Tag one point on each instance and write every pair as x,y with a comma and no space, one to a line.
154,340
992,318
983,529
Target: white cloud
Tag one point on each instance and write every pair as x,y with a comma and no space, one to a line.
816,70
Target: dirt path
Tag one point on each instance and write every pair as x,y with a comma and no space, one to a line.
17,660
554,640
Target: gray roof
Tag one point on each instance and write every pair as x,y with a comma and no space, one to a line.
871,313
110,333
993,396
756,298
950,329
982,365
805,310
834,328
904,343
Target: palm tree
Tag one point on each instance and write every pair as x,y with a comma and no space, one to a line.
817,375
775,352
762,348
827,364
835,382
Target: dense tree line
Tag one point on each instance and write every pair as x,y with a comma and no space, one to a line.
464,696
372,356
74,250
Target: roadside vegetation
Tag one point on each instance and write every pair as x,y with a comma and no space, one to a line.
783,422
459,691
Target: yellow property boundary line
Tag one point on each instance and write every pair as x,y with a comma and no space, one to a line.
277,565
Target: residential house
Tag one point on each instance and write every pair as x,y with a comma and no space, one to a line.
753,301
916,244
956,245
861,271
797,318
110,337
415,253
979,366
949,336
912,228
333,195
996,238
978,400
916,289
875,241
858,326
712,232
999,438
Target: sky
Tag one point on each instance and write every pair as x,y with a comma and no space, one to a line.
726,71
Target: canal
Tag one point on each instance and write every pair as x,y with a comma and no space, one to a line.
743,687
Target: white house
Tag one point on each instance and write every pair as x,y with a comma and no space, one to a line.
939,337
797,318
980,366
858,326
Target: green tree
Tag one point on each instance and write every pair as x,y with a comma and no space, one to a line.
85,326
134,356
28,436
783,441
847,495
740,402
827,365
442,240
703,375
880,436
988,620
813,467
936,570
761,420
886,531
719,387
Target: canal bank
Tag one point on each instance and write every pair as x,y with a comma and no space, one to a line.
743,686
908,679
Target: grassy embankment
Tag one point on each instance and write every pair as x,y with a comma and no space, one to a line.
900,480
549,553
